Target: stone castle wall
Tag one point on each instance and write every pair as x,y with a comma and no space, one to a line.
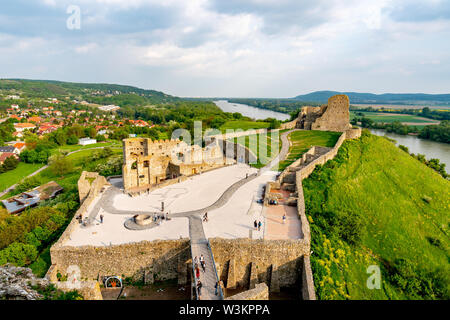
260,292
145,260
88,190
335,116
288,125
147,162
302,172
246,262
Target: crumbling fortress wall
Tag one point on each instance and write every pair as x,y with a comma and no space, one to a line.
334,116
148,163
291,179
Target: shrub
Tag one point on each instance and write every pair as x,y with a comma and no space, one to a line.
18,254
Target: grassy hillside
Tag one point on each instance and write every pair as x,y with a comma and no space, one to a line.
302,141
122,95
376,205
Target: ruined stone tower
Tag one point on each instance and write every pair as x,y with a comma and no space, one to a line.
147,163
334,116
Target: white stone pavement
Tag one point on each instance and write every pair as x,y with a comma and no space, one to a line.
235,219
194,193
197,192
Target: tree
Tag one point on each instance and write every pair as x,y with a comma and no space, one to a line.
10,163
60,165
72,139
61,138
100,138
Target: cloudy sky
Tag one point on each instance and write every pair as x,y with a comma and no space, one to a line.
232,48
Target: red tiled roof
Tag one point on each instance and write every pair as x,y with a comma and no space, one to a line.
6,155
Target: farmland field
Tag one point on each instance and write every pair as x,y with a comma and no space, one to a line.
392,117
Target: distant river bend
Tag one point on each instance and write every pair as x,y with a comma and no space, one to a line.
251,112
430,149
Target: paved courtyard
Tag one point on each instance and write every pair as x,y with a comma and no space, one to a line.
235,219
276,229
229,198
195,193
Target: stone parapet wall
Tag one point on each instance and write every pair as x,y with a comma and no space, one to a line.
302,172
148,261
238,258
95,187
308,292
260,292
289,125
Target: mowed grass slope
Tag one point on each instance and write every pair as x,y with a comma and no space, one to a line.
376,205
264,146
11,177
302,141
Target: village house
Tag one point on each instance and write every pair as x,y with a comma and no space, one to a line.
86,141
20,127
9,149
6,155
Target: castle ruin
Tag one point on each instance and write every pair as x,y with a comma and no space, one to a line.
147,163
334,116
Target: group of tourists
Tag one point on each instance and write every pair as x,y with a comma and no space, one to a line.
197,272
257,225
85,221
158,218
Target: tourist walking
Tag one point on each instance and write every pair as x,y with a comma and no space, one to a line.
199,289
217,288
205,217
195,261
259,225
101,218
203,263
197,272
284,218
255,224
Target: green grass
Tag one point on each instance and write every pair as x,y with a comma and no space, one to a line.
367,207
244,125
263,157
387,118
11,177
70,148
302,141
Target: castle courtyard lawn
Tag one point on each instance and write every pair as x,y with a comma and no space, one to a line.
302,141
269,143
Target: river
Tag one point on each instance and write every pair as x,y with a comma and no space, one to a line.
430,149
251,112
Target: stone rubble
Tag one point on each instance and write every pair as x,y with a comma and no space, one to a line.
16,282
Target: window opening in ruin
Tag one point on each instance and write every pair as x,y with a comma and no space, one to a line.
134,165
146,164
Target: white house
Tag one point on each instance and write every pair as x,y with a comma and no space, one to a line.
86,141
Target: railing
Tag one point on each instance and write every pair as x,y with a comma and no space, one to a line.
215,272
193,276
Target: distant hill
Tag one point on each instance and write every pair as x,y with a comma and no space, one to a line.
88,91
385,98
